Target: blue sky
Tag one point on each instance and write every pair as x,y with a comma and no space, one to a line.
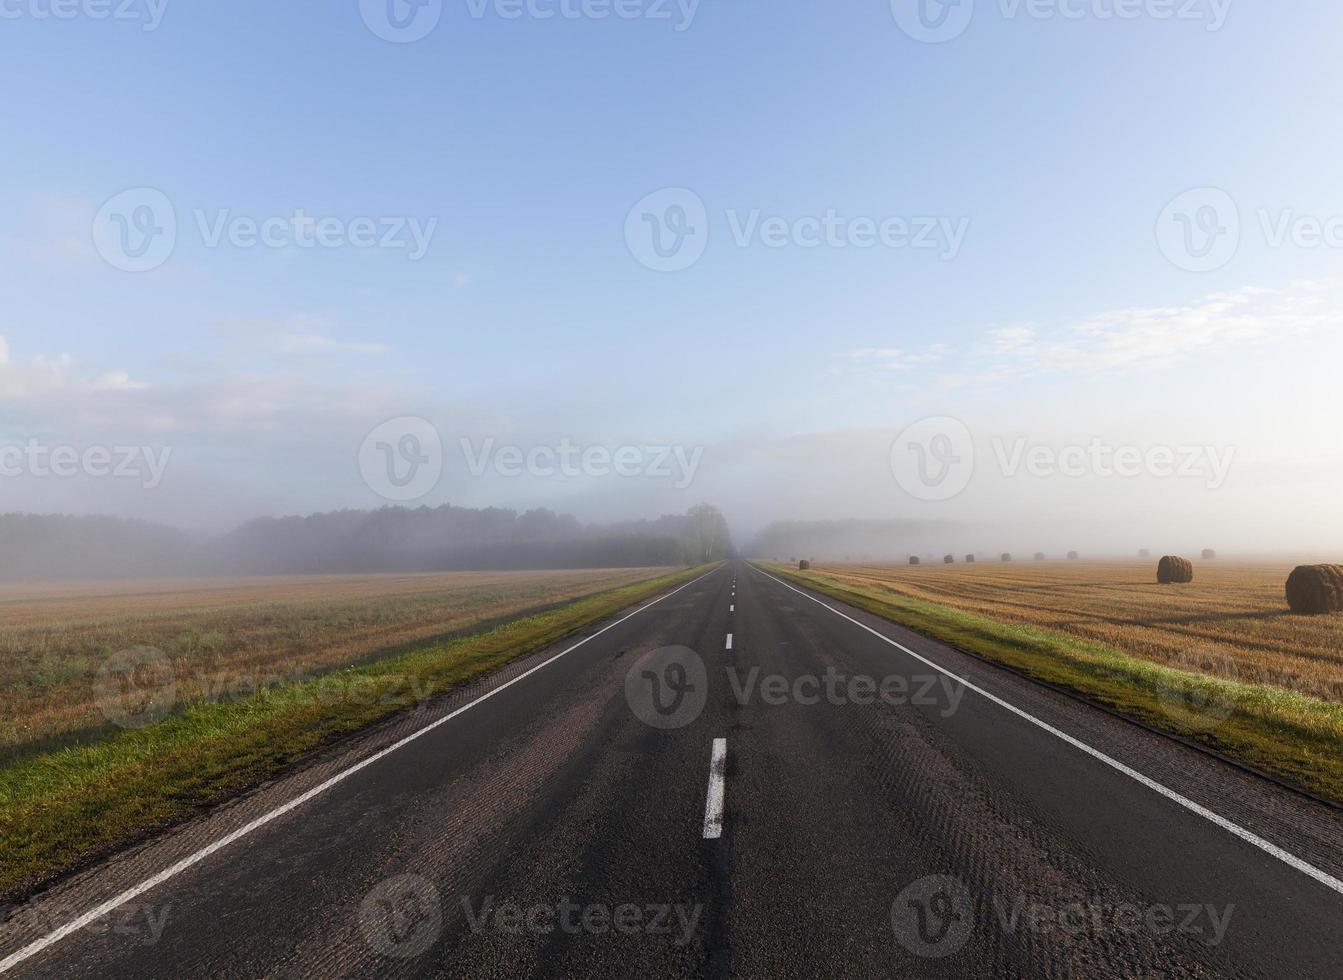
1054,143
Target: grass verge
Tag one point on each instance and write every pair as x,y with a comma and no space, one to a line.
1288,735
62,809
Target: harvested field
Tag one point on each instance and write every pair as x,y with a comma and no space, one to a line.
225,633
1237,610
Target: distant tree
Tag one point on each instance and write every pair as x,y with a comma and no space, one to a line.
712,539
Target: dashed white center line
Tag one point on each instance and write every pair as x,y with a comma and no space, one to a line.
713,806
729,641
732,608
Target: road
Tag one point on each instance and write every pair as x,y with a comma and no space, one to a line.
739,779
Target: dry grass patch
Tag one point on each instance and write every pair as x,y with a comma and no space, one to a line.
225,634
1237,610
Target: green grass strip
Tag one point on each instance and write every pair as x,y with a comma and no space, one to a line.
61,809
1289,735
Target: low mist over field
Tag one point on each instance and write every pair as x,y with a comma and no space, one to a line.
391,539
1137,430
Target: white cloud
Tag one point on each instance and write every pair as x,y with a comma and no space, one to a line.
1126,340
1144,338
299,336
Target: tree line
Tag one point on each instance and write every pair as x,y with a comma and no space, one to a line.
389,539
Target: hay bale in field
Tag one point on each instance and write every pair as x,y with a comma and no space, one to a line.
915,560
1313,590
1006,556
1145,553
804,565
1039,556
1209,554
1073,556
949,560
1173,570
969,559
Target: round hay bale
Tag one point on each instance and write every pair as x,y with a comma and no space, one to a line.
1145,553
949,560
969,559
915,560
1006,556
804,565
1039,556
1073,556
1173,570
1209,554
1313,590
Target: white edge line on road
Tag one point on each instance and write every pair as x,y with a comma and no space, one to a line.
38,945
713,803
1323,877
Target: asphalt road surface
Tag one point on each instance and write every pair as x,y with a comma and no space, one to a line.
738,779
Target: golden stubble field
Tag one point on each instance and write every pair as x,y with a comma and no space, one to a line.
1235,611
231,634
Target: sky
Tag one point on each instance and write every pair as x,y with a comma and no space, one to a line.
767,238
